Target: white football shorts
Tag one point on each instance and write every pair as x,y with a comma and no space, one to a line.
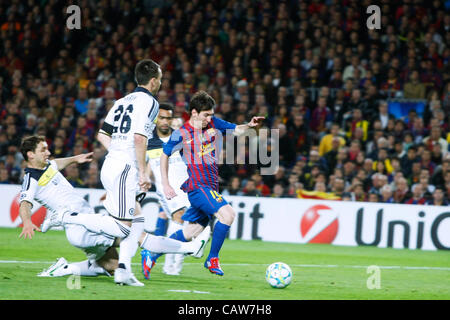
173,205
120,181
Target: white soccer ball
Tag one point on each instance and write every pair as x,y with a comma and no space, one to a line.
279,275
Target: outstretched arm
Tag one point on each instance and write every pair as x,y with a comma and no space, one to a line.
255,122
81,158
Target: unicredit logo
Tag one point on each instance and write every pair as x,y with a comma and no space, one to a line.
319,224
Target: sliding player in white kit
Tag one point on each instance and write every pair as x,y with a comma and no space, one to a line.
44,184
124,134
173,208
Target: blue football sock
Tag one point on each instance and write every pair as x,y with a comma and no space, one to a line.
177,236
161,225
218,237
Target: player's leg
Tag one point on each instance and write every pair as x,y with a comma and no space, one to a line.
173,208
114,177
97,223
160,230
109,261
160,244
173,263
129,245
94,245
225,217
120,181
212,203
161,223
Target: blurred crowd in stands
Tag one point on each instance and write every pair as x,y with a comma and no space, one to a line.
312,67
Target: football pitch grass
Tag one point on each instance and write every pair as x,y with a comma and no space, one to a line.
320,271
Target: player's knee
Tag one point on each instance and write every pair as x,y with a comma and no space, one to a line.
176,217
192,231
226,215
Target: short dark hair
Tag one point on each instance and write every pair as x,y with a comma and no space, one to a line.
30,144
166,106
145,70
201,101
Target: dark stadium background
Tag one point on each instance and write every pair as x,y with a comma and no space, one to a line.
305,65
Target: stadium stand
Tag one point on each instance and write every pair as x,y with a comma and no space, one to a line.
305,65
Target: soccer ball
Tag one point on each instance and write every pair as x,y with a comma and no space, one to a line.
279,275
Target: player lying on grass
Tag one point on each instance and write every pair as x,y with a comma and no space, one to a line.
198,140
95,233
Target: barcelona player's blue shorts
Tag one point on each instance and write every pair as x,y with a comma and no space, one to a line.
205,203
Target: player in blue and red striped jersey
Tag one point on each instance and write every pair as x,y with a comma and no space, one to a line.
199,140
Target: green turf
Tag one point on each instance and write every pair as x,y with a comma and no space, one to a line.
320,272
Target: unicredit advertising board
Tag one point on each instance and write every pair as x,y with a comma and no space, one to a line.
297,220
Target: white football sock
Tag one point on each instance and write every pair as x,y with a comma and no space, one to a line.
158,244
129,245
98,223
171,258
85,268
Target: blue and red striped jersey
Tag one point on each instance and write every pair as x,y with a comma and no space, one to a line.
200,149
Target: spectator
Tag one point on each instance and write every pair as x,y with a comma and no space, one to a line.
234,188
4,176
286,147
321,116
408,160
331,156
358,193
438,198
81,103
260,185
250,189
417,195
414,89
350,69
438,177
278,191
338,187
373,197
383,114
357,121
436,138
401,191
326,141
387,194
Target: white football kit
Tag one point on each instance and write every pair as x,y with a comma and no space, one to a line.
51,189
133,114
177,175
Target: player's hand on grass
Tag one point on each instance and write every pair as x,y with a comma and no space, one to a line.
28,230
169,192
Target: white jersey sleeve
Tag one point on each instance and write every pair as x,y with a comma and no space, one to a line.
29,188
145,120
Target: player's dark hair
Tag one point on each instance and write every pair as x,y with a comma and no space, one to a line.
166,106
201,101
145,70
30,144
